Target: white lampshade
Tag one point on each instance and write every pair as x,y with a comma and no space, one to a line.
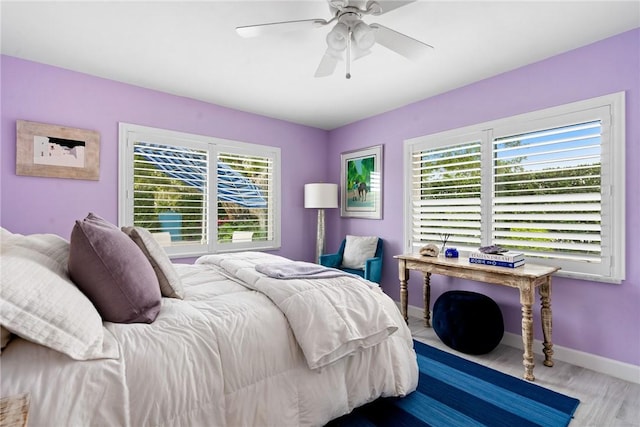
321,195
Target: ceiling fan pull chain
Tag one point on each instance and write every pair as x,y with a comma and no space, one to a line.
348,75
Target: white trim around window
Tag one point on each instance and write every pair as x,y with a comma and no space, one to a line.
550,183
199,194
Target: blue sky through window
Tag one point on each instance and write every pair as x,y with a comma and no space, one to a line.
564,147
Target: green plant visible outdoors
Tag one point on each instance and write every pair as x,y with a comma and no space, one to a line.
456,174
155,192
453,173
233,217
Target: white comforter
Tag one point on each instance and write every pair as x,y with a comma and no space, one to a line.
330,317
223,356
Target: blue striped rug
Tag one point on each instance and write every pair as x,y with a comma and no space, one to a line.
456,392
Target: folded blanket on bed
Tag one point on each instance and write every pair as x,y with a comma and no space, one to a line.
298,270
330,317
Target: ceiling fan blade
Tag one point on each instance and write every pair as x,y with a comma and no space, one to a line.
385,6
400,43
279,27
328,63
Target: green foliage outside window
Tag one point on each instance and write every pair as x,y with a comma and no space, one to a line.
155,193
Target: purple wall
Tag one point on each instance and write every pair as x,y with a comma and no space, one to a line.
46,94
596,318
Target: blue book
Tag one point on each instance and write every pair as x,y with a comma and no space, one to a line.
496,263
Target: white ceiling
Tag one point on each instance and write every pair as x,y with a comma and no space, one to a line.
191,49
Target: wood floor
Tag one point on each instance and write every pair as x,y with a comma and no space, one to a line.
605,401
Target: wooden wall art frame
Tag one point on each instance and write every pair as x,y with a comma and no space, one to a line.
361,183
57,151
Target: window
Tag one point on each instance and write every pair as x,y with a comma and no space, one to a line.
199,194
550,184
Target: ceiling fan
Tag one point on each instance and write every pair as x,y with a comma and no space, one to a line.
350,35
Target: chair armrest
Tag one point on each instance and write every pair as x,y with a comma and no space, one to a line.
373,269
331,260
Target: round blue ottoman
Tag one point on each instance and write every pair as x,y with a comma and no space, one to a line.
468,321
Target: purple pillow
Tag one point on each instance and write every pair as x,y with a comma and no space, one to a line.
113,272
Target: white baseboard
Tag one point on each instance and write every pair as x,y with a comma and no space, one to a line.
614,368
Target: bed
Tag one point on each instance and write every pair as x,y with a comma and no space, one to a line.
240,347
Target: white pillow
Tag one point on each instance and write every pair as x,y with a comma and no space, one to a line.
41,304
357,250
168,278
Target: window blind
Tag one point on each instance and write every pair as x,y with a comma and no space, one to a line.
200,194
547,192
445,195
245,197
170,191
549,183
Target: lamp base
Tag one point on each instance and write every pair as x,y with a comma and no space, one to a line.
320,235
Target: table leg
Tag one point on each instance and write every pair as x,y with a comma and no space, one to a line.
545,312
426,297
404,293
526,300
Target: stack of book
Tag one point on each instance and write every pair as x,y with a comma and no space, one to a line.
509,259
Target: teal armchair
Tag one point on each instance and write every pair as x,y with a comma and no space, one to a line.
372,269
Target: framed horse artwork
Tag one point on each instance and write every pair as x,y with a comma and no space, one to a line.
361,183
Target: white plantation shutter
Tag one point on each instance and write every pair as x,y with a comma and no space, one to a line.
445,195
199,194
550,184
547,192
245,203
170,191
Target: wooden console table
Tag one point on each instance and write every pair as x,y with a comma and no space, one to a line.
525,279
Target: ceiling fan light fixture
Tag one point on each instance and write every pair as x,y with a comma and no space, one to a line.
338,4
335,54
338,36
350,37
363,37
